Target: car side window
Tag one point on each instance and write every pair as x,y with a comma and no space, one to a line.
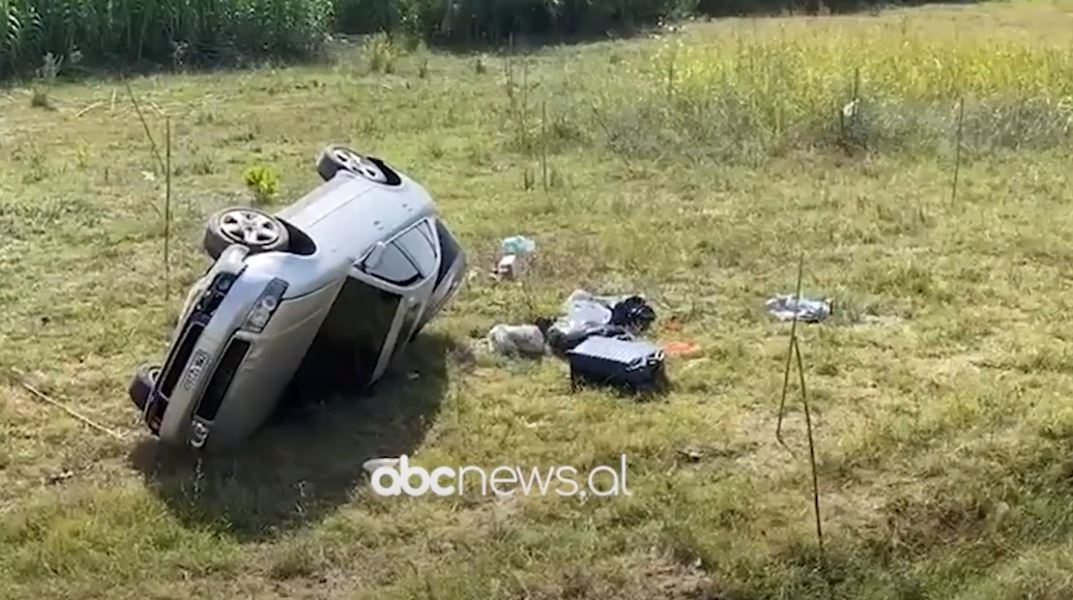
393,266
417,246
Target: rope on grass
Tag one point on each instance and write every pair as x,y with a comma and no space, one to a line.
85,110
52,402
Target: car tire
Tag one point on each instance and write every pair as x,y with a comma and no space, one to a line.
257,230
141,386
340,158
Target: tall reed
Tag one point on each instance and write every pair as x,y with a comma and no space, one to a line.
161,31
810,84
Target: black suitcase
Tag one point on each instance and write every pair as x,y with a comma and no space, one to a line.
631,365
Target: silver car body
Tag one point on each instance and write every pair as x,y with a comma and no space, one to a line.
373,266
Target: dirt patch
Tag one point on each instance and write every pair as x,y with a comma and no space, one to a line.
932,522
760,452
671,580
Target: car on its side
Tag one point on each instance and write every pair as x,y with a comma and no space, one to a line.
359,266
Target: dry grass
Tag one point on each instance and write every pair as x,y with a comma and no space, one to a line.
941,387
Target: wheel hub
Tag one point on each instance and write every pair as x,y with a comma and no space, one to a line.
359,164
250,228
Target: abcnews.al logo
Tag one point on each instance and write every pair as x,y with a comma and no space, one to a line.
395,477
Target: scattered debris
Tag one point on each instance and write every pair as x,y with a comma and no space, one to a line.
787,307
851,109
526,340
514,252
588,315
633,312
691,454
509,267
598,337
635,365
59,477
517,245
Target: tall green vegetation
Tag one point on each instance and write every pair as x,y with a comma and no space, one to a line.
768,88
181,32
161,31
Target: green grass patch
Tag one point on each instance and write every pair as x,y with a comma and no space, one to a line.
940,386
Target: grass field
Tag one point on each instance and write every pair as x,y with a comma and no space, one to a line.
693,167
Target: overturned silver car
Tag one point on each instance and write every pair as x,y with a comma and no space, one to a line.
360,265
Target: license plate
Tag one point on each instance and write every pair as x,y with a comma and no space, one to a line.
193,372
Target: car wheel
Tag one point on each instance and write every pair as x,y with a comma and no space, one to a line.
256,230
141,386
340,158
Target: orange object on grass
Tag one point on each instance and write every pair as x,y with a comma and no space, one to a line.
680,348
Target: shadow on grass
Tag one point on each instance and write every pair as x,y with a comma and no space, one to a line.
119,71
524,43
308,461
340,46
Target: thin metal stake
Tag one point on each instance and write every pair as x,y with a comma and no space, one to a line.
544,142
145,126
789,356
670,75
610,136
957,150
794,352
811,452
167,208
